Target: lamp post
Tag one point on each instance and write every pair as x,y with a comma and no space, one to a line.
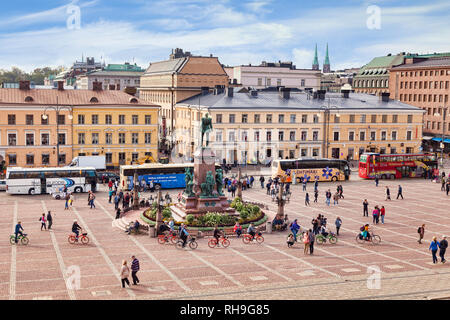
326,124
442,145
57,109
281,201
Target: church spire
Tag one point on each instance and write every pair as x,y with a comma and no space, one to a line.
315,65
326,64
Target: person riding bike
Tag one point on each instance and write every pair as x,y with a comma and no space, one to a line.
217,234
294,229
17,230
251,230
184,234
75,228
323,231
164,228
365,232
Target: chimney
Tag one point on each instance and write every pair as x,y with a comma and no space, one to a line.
230,92
205,90
321,94
345,93
254,93
97,86
24,85
61,85
285,93
385,96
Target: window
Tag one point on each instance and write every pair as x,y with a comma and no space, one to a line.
280,136
12,158
293,118
218,136
304,118
121,138
45,139
135,138
135,119
44,122
281,118
11,119
62,138
336,118
30,159
278,82
244,136
148,137
373,118
218,118
384,118
394,118
95,138
245,118
257,118
232,118
352,118
410,118
304,135
268,118
231,136
108,138
362,136
315,135
12,139
108,119
302,82
81,138
303,152
383,135
94,119
292,136
315,152
29,119
62,159
268,82
408,135
148,119
29,137
45,159
336,136
121,119
269,136
108,157
363,118
394,135
122,156
134,157
61,119
81,119
315,118
259,82
257,136
373,135
351,136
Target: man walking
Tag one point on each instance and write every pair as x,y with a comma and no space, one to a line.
316,195
312,238
421,232
328,197
442,248
307,199
388,193
399,193
134,270
338,224
376,180
365,208
50,220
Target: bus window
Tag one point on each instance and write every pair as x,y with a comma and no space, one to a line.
91,173
17,175
33,175
62,174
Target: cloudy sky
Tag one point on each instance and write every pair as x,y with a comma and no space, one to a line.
51,33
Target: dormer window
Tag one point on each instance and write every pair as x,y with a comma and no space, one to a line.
29,99
133,100
93,100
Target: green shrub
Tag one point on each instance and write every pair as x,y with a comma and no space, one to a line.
190,218
167,213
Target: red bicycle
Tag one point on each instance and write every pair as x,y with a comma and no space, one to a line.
83,238
213,243
168,238
247,238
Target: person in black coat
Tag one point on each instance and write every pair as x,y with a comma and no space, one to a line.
443,244
50,220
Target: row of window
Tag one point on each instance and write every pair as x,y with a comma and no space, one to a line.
373,136
109,138
29,119
30,139
109,119
30,159
268,82
423,97
426,85
425,73
433,125
372,83
121,157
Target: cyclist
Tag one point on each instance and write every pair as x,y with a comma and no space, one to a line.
365,232
164,228
171,225
323,231
251,230
17,230
217,234
75,228
184,234
295,229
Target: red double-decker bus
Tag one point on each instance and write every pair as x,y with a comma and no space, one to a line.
396,166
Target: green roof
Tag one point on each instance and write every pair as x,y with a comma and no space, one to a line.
431,55
123,67
384,62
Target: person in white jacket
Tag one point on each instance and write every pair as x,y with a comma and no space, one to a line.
124,274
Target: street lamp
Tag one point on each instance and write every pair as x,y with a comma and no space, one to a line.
57,109
442,145
326,124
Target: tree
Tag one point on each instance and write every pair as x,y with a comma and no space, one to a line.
37,76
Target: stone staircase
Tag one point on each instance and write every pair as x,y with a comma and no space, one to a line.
123,222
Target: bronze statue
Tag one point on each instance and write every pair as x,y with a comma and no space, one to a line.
208,186
219,182
189,183
206,127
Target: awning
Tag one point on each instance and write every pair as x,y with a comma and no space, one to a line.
440,140
427,137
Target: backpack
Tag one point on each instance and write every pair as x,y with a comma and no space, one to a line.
418,230
362,228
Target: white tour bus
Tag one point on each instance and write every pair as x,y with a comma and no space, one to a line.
50,180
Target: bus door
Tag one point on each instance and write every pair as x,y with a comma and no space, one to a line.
43,183
404,170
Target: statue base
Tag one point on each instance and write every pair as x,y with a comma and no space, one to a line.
201,206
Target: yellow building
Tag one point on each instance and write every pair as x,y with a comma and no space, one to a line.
116,125
259,126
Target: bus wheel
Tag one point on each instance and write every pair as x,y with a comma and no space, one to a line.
78,190
392,176
31,191
157,186
334,179
383,176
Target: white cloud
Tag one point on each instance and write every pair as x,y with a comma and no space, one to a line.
303,59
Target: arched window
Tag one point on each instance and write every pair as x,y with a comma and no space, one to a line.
93,100
29,99
133,100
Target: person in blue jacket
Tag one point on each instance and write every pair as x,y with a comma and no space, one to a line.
18,229
294,229
434,246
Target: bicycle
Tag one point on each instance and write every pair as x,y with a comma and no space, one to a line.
168,238
192,243
213,243
83,237
331,237
22,238
373,238
247,238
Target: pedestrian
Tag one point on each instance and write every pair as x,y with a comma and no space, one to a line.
261,180
294,229
110,185
304,184
336,199
447,187
307,199
67,198
443,183
43,222
71,199
421,232
306,242
91,200
134,269
376,180
116,202
111,192
443,247
375,214
365,208
434,245
388,193
316,195
400,192
124,274
118,213
382,213
328,197
316,184
338,224
312,239
50,220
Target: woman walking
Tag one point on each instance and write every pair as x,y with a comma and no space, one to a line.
421,232
375,214
434,248
307,199
306,242
43,222
124,274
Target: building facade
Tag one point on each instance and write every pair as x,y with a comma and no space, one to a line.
257,127
425,83
77,122
278,74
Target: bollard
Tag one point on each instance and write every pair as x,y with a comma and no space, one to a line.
152,231
269,227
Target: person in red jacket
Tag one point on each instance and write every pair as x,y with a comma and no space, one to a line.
382,213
